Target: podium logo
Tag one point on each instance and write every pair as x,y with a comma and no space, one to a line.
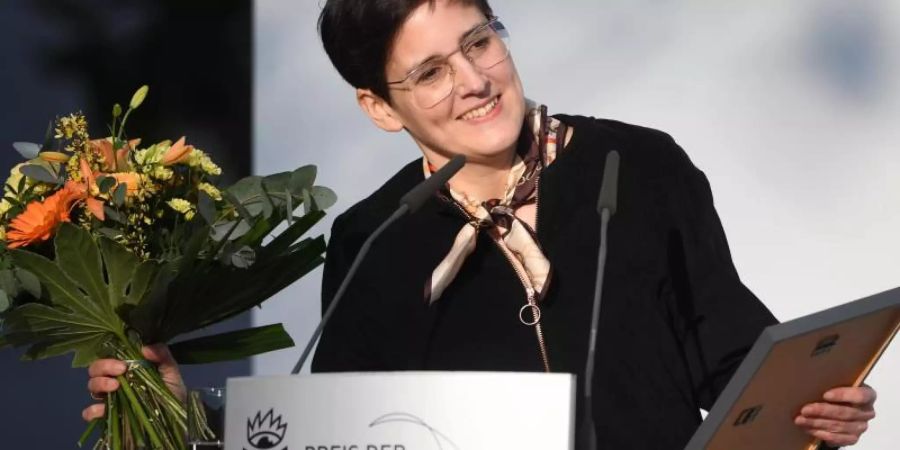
265,431
441,441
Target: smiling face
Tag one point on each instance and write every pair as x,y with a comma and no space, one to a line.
482,117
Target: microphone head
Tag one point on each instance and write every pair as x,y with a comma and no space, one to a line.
419,194
608,191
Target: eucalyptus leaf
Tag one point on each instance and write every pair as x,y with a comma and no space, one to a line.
308,206
243,257
114,215
8,282
5,301
277,182
206,206
289,208
28,150
38,173
119,194
324,197
105,183
220,230
302,179
29,282
236,202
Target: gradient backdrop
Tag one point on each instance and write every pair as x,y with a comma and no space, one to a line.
791,108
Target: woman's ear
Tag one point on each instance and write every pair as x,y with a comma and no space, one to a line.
378,110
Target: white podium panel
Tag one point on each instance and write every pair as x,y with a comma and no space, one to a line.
401,411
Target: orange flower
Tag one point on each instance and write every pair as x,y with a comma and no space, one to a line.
177,153
132,181
112,160
87,189
39,220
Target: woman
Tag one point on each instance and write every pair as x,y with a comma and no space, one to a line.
496,271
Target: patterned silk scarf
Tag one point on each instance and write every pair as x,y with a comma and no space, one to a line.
536,149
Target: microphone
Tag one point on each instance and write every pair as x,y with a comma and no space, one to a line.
409,203
417,195
606,207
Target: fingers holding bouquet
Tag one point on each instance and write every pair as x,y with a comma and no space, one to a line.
102,380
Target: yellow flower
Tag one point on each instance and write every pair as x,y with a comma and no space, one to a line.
182,206
73,125
15,176
161,173
4,207
2,233
199,159
211,190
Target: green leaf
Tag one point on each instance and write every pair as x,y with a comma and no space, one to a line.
120,266
260,229
206,206
79,258
63,291
79,316
28,150
302,179
142,282
53,331
286,238
232,345
38,173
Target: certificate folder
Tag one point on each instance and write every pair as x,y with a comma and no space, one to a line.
792,364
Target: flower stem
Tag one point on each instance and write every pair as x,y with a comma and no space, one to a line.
113,419
139,412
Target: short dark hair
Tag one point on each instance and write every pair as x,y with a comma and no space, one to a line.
358,36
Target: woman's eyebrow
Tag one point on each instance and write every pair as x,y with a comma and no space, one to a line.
435,56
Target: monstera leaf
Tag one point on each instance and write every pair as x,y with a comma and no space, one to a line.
99,291
85,286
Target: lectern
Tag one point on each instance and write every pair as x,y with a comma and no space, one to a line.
401,411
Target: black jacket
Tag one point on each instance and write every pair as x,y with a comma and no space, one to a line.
676,320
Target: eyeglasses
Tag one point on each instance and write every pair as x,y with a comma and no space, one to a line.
433,81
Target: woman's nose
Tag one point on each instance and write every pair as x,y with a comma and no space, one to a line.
469,79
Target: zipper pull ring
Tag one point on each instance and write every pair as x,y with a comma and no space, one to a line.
535,314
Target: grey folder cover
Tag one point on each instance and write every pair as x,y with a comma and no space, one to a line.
792,364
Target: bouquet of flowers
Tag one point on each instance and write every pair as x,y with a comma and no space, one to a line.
111,245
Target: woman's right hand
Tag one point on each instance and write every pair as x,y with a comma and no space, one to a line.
103,373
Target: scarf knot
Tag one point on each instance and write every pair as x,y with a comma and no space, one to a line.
517,240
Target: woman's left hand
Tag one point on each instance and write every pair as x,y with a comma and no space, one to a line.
841,418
